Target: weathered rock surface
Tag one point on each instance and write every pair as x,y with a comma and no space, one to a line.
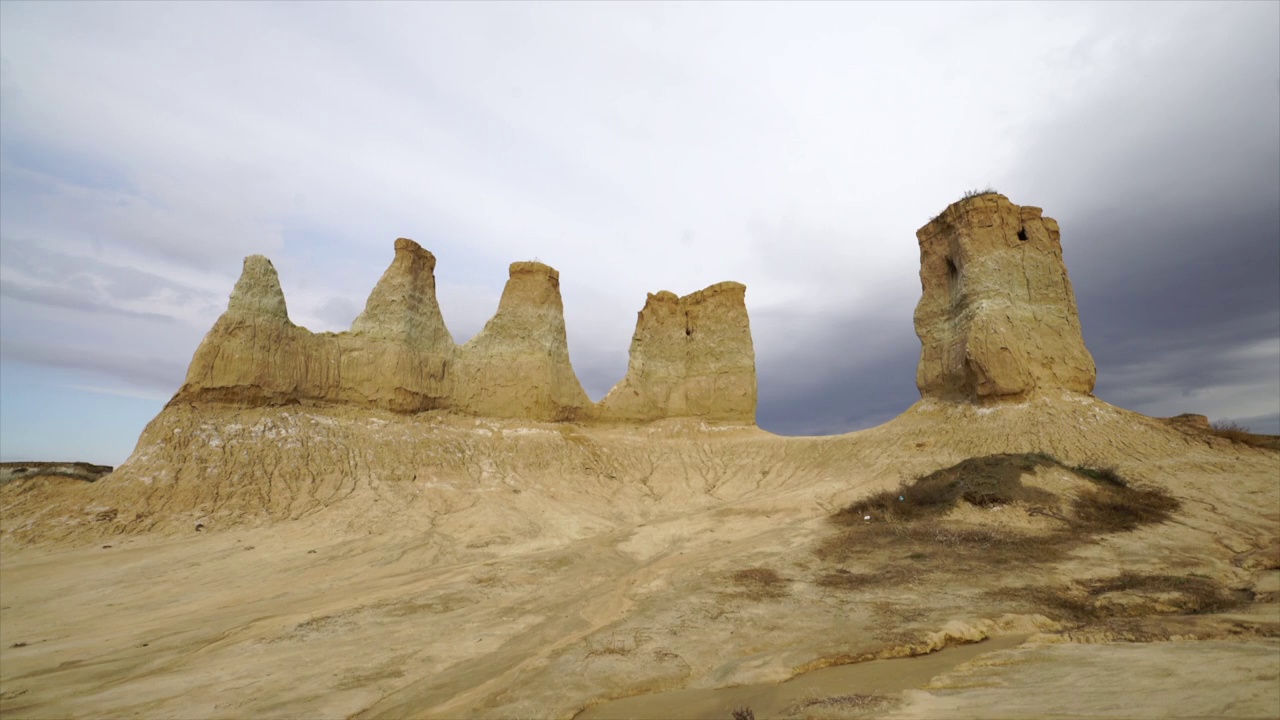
343,560
400,356
399,351
997,317
254,355
518,365
15,471
690,357
394,358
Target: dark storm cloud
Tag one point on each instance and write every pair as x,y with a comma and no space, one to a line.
836,373
1177,321
1166,180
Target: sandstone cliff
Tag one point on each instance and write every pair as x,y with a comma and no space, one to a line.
399,351
690,357
997,317
518,365
395,357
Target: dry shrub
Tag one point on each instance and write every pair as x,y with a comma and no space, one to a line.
856,703
760,584
1084,602
934,544
1237,433
978,193
1122,508
1101,474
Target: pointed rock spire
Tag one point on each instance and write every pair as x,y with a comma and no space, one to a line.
257,292
403,304
518,365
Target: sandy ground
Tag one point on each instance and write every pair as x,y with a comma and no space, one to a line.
421,596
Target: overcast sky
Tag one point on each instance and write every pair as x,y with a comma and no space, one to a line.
146,148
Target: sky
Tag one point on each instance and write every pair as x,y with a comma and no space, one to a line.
146,148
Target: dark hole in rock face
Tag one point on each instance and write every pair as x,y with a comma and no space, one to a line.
688,331
1022,234
953,278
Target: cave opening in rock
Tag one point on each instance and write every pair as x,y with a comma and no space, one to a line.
1022,234
953,279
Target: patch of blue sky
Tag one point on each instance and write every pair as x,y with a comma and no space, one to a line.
43,409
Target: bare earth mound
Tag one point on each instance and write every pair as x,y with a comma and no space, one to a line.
380,523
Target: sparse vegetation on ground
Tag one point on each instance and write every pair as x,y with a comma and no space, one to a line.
759,584
908,524
855,703
984,481
1237,433
1126,595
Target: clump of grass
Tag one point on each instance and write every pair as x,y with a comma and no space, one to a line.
760,584
1103,474
1230,429
743,713
1237,433
988,190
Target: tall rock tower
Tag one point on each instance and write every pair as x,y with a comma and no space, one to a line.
691,356
518,365
399,351
997,318
253,355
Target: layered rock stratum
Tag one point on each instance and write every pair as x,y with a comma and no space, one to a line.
518,365
997,316
382,524
691,356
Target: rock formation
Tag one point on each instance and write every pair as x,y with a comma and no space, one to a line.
400,351
997,317
690,356
254,355
16,471
395,357
518,365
